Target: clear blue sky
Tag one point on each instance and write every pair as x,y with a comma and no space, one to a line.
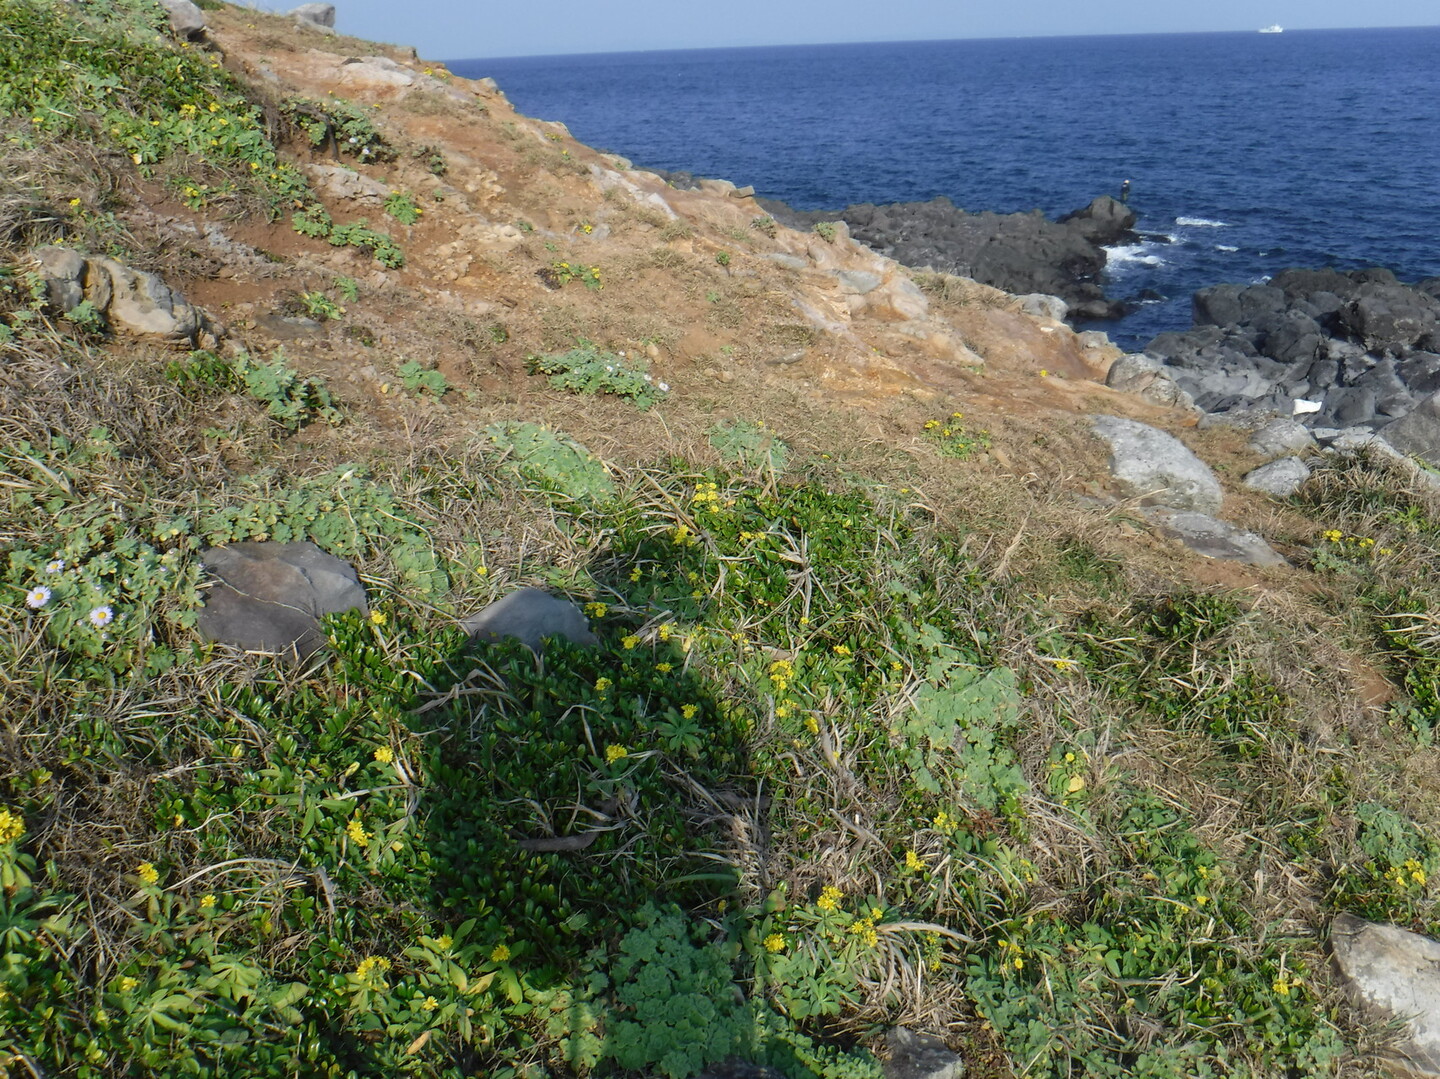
461,29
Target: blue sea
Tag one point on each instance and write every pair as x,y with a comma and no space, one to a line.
1247,152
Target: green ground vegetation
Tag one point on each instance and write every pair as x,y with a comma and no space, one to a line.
828,768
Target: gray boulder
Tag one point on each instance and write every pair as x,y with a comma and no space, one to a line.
858,282
1417,432
320,15
1281,436
1393,976
269,597
1148,379
129,299
1150,465
1281,478
919,1056
1039,305
1205,535
530,615
1227,305
1390,317
186,20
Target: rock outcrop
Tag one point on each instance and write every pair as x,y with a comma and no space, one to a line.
125,298
269,597
529,615
1394,976
1020,253
1156,468
1356,349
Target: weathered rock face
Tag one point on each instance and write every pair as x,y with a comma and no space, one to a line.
1020,253
1417,432
269,597
1157,468
1281,477
530,615
1394,975
919,1056
1213,538
187,20
1342,349
317,14
129,300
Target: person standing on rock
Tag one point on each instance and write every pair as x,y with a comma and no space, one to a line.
1125,191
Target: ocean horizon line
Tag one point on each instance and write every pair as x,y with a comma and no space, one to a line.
772,47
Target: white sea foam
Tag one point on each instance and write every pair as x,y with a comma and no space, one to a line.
1201,223
1224,247
1132,253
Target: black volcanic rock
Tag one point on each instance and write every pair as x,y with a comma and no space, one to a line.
1360,345
1020,253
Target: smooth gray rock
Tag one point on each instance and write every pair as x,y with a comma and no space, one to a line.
790,262
1039,305
1150,465
1393,975
269,597
1148,379
1213,538
1281,478
530,615
1281,436
858,282
319,14
919,1056
1418,432
187,20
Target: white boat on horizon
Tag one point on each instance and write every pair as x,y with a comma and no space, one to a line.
1273,28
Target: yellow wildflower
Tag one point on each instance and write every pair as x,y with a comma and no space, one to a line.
602,684
812,724
444,942
1333,535
841,650
774,943
665,631
914,862
689,710
596,610
372,966
615,753
636,573
830,897
378,618
127,984
629,642
147,873
207,901
500,954
1076,785
429,1004
12,825
944,822
384,754
357,833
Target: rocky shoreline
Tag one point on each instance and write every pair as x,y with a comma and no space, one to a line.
1019,253
1357,350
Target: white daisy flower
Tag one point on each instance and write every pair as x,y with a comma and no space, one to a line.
663,388
37,597
56,566
101,617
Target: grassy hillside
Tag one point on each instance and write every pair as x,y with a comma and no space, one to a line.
885,724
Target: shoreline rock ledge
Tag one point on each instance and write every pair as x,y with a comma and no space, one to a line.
1019,253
